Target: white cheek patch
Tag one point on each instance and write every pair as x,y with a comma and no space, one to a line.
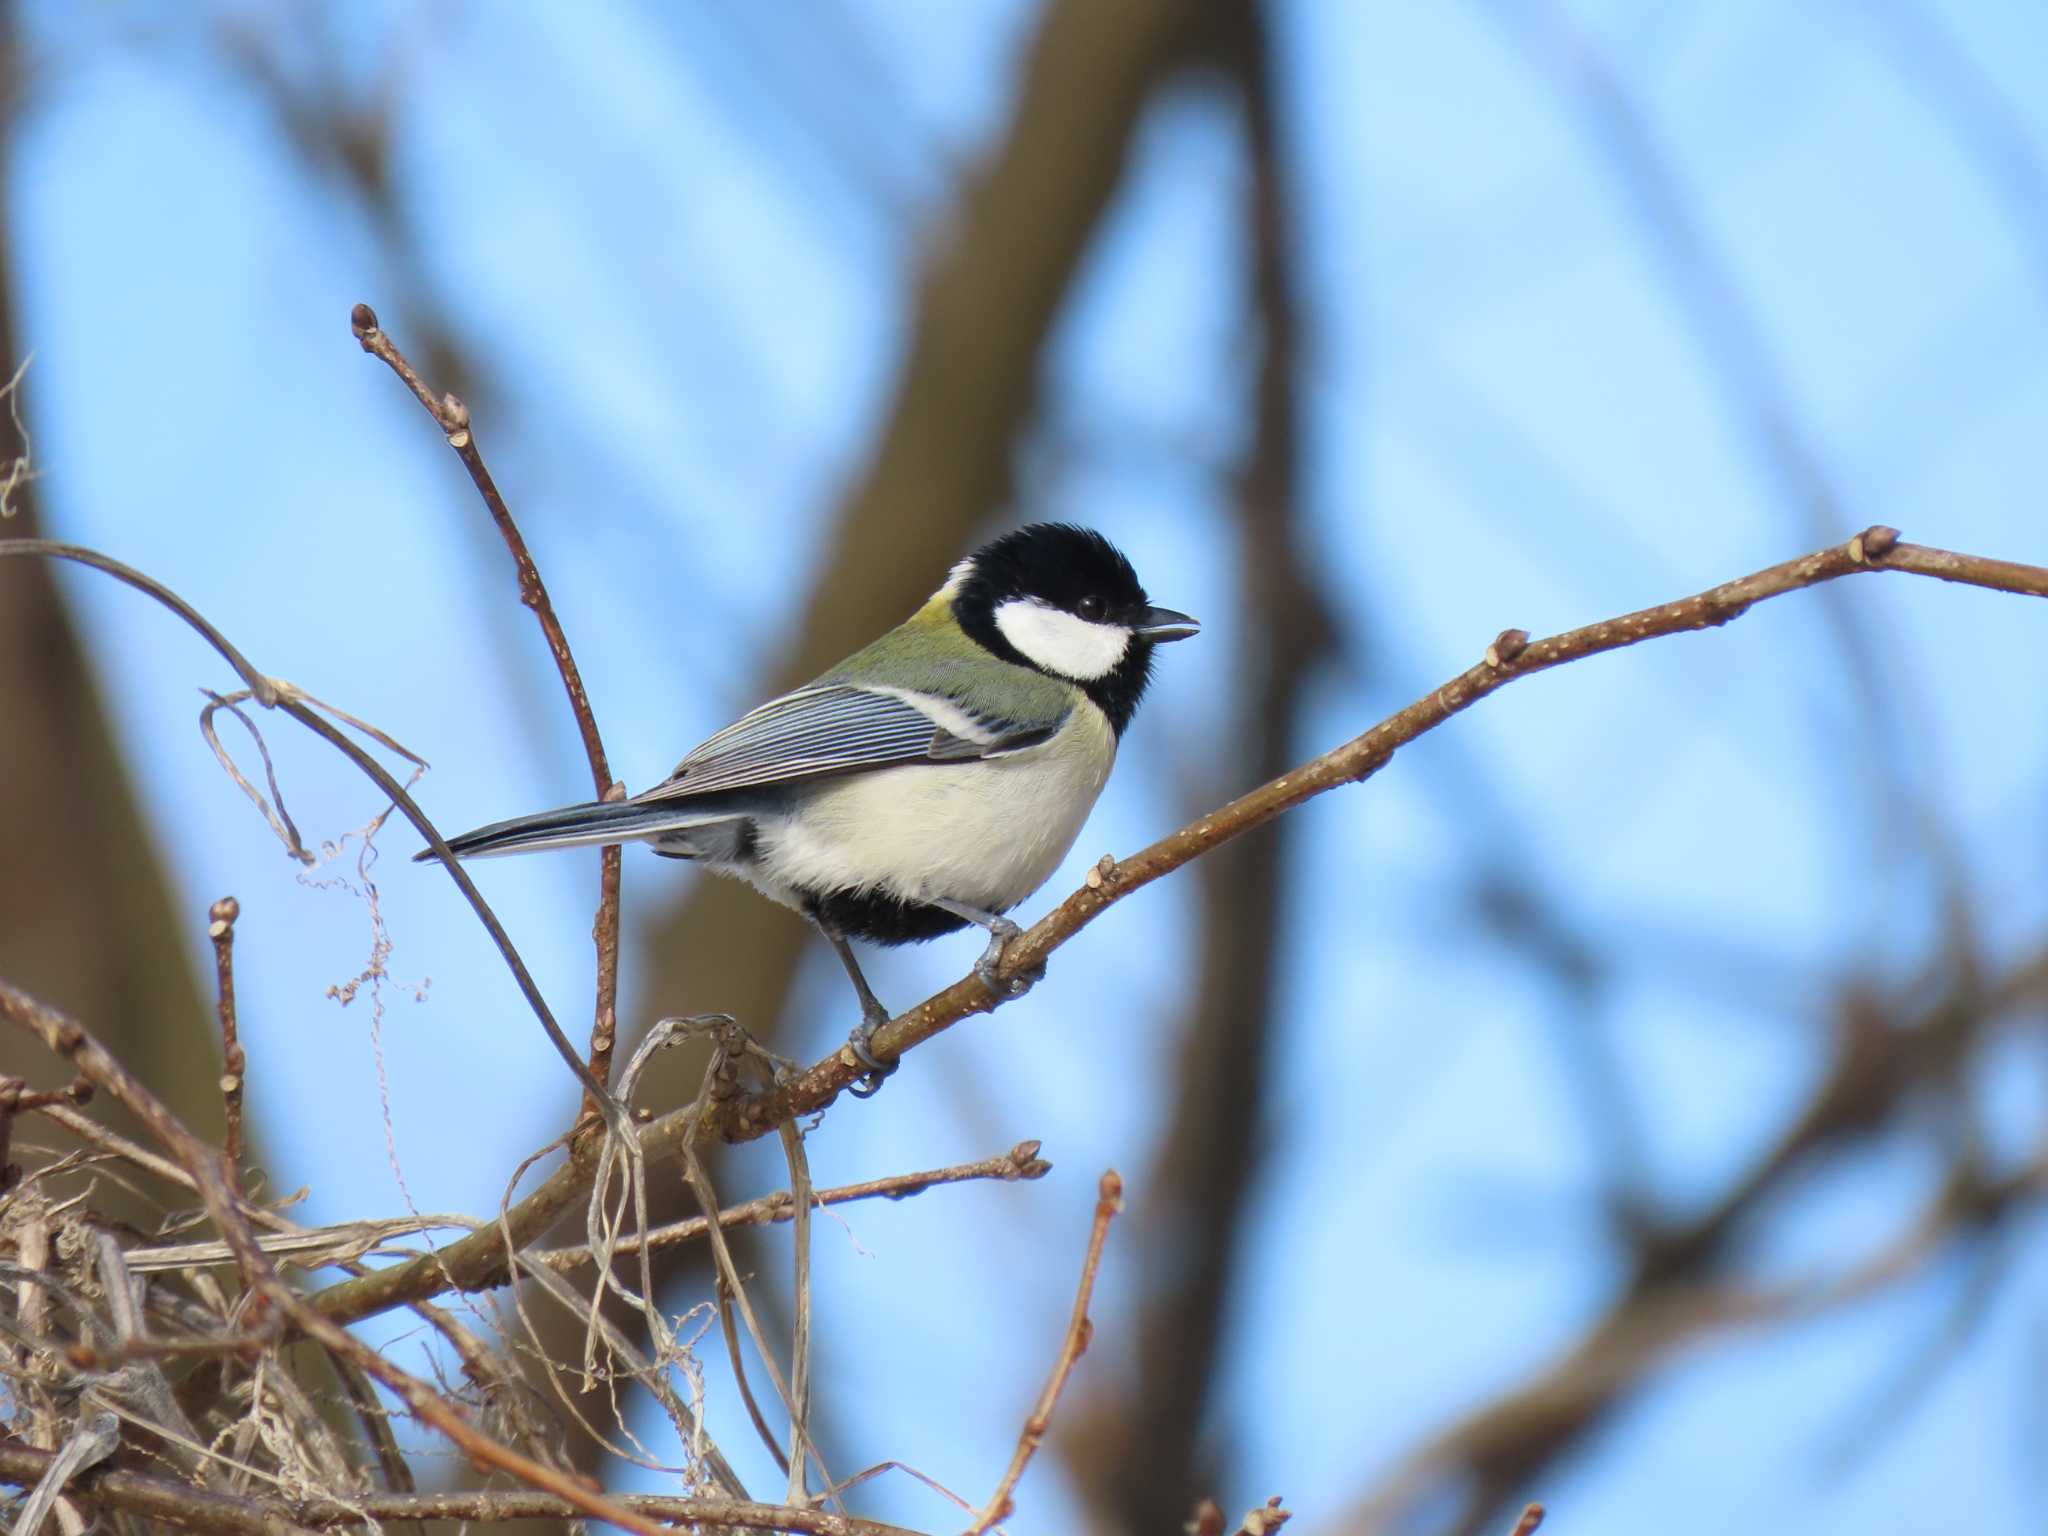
1062,642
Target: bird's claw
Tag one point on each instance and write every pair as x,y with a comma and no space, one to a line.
1000,934
870,1082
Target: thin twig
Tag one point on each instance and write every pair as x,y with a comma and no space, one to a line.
276,694
452,416
257,684
614,1113
652,1370
1020,1162
16,1096
376,1423
221,929
1531,1520
114,1144
1264,1520
1109,1199
271,806
732,1296
801,1196
729,1330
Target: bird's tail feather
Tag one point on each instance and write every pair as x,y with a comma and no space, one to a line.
579,826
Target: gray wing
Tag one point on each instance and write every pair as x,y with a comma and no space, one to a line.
832,729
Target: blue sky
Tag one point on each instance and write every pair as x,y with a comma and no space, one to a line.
685,248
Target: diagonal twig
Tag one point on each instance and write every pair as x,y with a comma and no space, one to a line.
1109,1200
1511,656
274,693
452,416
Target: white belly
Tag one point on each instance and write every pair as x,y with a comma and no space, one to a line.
987,833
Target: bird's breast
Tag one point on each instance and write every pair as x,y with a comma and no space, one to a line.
987,833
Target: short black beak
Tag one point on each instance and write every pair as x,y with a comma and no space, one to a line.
1163,624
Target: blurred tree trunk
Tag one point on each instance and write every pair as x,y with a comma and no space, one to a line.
941,467
87,918
943,459
1144,1459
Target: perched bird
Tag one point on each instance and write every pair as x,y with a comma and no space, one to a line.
932,780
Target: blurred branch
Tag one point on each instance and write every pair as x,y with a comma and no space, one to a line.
1935,64
1707,291
452,417
1263,1521
80,853
824,84
1140,1452
348,145
1020,1162
1674,1292
1733,340
998,269
1725,326
998,264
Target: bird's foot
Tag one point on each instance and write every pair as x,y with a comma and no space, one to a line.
1000,934
859,1042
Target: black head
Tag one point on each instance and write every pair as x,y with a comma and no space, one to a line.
1064,601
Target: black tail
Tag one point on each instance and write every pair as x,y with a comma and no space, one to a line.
573,826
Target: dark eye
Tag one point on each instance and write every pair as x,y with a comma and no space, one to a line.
1090,608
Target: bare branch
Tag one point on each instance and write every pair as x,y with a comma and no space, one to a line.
452,416
1512,655
1109,1200
221,929
1020,1162
273,693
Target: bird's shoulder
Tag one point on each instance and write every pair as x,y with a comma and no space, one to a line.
917,694
930,655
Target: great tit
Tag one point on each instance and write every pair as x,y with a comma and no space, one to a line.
932,780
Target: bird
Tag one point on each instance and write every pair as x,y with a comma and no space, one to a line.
931,781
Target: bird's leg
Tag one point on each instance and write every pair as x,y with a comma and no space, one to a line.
872,1014
1000,932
